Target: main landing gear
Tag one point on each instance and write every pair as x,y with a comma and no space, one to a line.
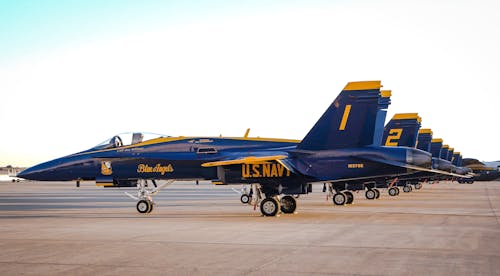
144,196
372,194
272,205
393,191
339,197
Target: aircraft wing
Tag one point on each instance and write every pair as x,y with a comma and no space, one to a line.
244,160
413,167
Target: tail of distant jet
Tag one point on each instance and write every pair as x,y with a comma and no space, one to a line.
450,154
424,139
456,159
402,130
444,152
354,119
436,145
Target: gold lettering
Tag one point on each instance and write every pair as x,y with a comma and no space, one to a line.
355,166
274,171
263,170
255,169
245,170
393,137
280,170
158,168
266,170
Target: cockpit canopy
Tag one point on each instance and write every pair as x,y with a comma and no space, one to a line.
126,139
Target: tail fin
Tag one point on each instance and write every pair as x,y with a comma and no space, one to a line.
436,145
450,154
460,158
402,130
444,152
351,120
424,139
456,158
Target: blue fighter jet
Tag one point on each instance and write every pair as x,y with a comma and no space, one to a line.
404,130
344,144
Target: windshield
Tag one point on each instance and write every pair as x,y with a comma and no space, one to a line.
126,139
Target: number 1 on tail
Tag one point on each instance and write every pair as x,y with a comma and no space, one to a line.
345,117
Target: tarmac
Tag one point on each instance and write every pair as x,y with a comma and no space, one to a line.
50,228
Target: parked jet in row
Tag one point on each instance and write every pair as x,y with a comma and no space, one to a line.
344,145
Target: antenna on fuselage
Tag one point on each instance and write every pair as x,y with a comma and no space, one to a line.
246,133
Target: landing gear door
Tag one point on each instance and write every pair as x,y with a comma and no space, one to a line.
221,174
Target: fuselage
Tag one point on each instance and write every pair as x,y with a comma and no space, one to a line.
182,158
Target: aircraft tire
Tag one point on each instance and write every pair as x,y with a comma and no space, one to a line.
269,207
406,189
288,204
350,197
143,206
339,199
370,194
150,207
418,186
393,192
245,198
397,190
377,193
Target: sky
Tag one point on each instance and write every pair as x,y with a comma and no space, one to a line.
75,73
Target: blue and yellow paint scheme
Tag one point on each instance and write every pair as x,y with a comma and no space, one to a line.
345,145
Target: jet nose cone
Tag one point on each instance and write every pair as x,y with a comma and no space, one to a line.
43,171
32,173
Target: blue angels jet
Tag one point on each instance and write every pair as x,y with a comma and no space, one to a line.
404,130
344,145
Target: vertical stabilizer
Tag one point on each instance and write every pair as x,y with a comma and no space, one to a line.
402,130
351,120
450,154
444,152
436,145
424,139
456,158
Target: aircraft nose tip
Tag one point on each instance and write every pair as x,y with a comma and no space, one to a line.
26,174
38,172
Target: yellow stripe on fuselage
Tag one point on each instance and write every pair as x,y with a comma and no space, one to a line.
180,138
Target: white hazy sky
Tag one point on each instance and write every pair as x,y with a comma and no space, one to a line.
73,75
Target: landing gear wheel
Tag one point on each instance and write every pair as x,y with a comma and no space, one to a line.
245,198
397,190
406,189
370,194
350,197
269,207
418,186
144,206
377,193
151,207
393,192
339,199
288,204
